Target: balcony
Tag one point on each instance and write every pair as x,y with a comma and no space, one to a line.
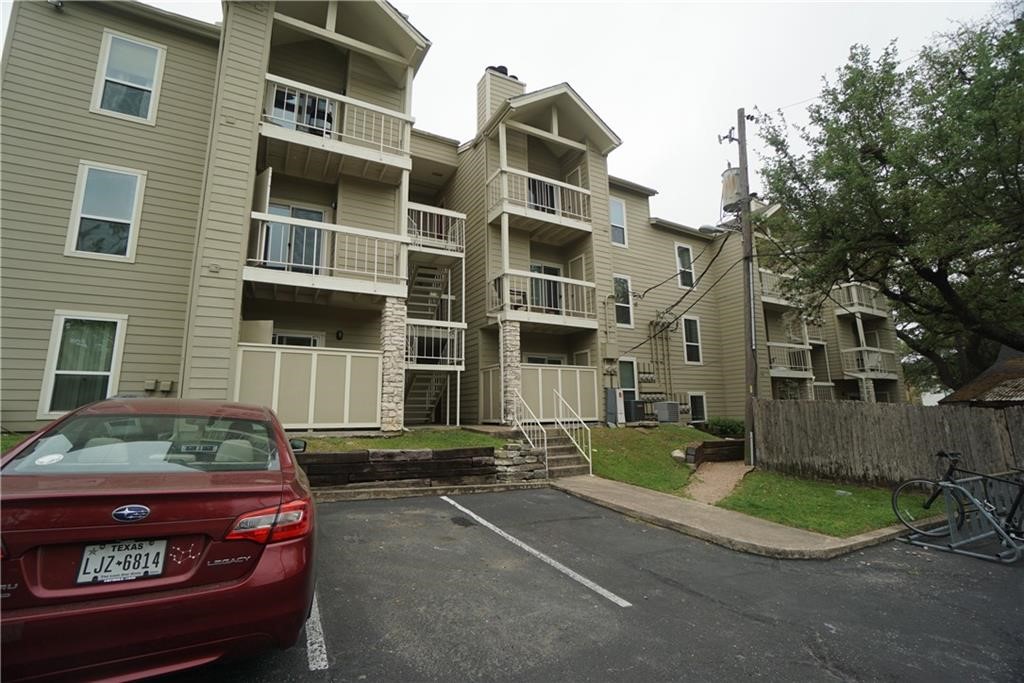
436,230
854,298
772,288
824,391
577,384
789,360
540,298
435,345
303,253
815,332
535,202
317,134
867,361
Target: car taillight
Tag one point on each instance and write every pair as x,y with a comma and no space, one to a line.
270,525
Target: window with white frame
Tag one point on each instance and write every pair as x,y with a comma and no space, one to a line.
128,78
544,358
83,362
691,340
295,338
698,406
106,211
617,214
623,301
684,265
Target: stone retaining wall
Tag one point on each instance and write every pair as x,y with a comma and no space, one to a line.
401,468
519,462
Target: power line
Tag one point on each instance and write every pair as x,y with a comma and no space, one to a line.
644,293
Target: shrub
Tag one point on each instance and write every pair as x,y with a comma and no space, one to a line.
725,426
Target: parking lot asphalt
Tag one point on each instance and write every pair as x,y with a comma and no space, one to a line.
522,585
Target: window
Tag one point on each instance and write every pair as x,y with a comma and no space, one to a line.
581,358
544,359
292,247
293,338
617,214
684,265
128,78
691,340
106,211
546,295
83,362
623,301
698,407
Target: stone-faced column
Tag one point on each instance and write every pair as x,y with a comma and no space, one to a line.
512,377
392,346
867,390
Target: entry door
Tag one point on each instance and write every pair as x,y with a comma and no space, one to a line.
546,295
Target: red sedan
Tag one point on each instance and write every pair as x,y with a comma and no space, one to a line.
144,536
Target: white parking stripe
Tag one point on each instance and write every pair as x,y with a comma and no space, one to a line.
316,649
541,556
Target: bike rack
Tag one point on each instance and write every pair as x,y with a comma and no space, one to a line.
984,499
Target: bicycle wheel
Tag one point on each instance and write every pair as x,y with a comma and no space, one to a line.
922,506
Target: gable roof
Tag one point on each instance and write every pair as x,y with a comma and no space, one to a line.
598,131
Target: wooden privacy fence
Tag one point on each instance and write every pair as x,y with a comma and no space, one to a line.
883,442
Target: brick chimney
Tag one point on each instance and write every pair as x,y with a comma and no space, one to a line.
495,87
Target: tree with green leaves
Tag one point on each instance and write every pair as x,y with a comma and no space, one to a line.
909,176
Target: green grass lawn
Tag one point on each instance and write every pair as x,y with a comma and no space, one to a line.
10,441
420,438
813,505
643,456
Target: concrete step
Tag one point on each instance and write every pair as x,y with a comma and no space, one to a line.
571,471
565,460
566,450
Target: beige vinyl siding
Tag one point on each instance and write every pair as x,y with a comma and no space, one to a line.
541,161
467,193
367,82
516,150
430,148
216,286
501,89
313,62
42,148
301,192
360,327
368,205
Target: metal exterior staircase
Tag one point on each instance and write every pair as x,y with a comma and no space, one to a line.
426,291
423,391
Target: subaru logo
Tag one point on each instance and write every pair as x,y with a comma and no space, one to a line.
130,513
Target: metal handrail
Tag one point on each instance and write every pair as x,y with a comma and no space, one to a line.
578,432
526,422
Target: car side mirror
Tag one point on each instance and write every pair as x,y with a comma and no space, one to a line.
297,445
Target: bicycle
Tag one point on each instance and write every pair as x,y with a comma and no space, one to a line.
918,502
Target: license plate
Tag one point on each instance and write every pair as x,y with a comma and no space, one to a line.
121,561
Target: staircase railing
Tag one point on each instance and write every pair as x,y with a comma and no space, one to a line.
573,426
530,427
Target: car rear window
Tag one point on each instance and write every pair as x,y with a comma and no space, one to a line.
150,443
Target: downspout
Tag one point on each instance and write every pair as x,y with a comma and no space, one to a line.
501,367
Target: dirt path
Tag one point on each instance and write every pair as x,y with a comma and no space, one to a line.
713,481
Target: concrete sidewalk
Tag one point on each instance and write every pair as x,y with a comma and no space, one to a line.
718,525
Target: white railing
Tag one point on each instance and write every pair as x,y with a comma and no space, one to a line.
823,392
536,192
793,357
569,421
815,331
307,109
296,245
540,293
430,342
430,226
869,360
530,427
772,285
862,296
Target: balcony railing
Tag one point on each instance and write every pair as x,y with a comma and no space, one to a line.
430,226
538,193
540,293
324,114
815,331
869,360
429,342
823,392
791,357
295,245
860,296
772,285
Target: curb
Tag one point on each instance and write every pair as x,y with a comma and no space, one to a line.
828,552
334,495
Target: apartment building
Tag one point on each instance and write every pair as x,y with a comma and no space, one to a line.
247,212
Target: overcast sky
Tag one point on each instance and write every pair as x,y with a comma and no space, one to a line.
666,77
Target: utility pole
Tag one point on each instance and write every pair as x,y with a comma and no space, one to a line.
750,340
